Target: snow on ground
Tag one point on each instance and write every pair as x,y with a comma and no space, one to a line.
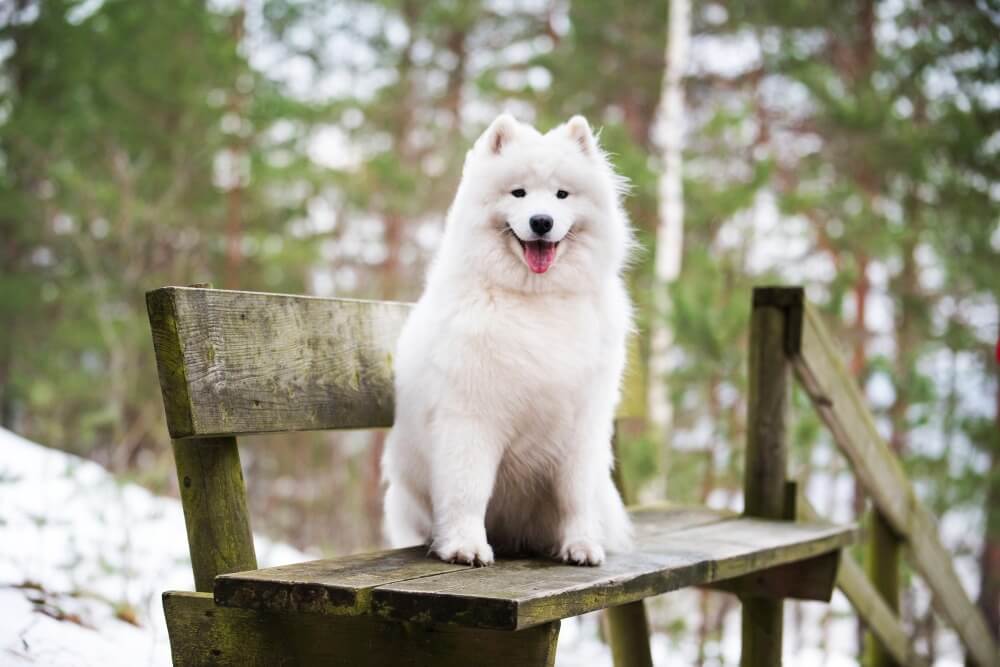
82,555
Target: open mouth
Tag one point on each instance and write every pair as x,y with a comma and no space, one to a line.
540,255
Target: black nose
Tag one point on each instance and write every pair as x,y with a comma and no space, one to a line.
541,224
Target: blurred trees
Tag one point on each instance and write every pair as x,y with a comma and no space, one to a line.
295,145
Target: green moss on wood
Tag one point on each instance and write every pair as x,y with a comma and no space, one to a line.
170,362
202,633
215,509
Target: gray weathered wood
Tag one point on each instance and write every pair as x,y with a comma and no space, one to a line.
674,548
882,621
202,633
841,406
764,490
248,362
812,579
215,508
523,593
340,586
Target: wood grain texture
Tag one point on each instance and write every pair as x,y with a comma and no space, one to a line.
340,586
767,409
203,634
215,508
675,548
840,404
764,488
248,362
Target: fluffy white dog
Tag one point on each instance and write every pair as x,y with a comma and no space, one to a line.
508,369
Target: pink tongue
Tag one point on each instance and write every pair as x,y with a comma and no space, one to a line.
539,255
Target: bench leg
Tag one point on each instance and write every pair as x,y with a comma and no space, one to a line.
203,634
628,632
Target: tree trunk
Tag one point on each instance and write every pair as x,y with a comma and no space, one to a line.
669,233
237,153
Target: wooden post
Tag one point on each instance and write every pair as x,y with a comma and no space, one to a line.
882,565
208,469
627,626
215,508
764,488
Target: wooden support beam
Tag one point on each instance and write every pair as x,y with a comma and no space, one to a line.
882,565
203,634
627,624
215,508
841,405
764,489
628,632
811,579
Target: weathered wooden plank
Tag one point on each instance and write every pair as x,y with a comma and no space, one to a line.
675,547
522,593
766,457
340,586
811,579
215,508
248,362
841,406
882,621
344,585
202,633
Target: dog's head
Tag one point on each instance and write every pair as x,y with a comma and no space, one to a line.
537,211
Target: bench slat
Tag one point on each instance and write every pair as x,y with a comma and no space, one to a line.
233,363
526,593
675,547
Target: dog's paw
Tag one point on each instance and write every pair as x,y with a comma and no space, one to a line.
468,552
582,552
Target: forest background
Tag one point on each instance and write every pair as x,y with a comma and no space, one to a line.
313,147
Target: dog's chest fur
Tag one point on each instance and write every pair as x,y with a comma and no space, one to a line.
526,356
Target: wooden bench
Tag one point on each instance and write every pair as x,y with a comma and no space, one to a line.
233,363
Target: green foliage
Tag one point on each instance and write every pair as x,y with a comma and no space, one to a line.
855,151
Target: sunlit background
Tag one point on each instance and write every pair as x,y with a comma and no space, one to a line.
313,148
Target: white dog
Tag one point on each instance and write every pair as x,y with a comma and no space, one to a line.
508,369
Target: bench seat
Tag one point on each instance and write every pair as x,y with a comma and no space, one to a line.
675,547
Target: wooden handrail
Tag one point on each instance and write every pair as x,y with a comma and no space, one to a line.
841,405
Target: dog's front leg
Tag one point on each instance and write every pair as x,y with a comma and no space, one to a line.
466,456
581,528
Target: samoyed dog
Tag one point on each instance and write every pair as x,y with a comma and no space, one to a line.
508,369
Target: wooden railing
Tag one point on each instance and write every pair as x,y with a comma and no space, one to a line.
788,339
900,519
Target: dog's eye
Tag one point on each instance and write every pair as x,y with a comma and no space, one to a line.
561,194
518,192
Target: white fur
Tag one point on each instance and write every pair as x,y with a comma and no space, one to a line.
506,380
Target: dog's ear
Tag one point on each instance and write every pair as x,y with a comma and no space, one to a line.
500,133
579,131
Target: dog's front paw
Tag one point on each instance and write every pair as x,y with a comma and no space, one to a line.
582,552
467,551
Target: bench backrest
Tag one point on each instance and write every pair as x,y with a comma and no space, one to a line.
233,363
